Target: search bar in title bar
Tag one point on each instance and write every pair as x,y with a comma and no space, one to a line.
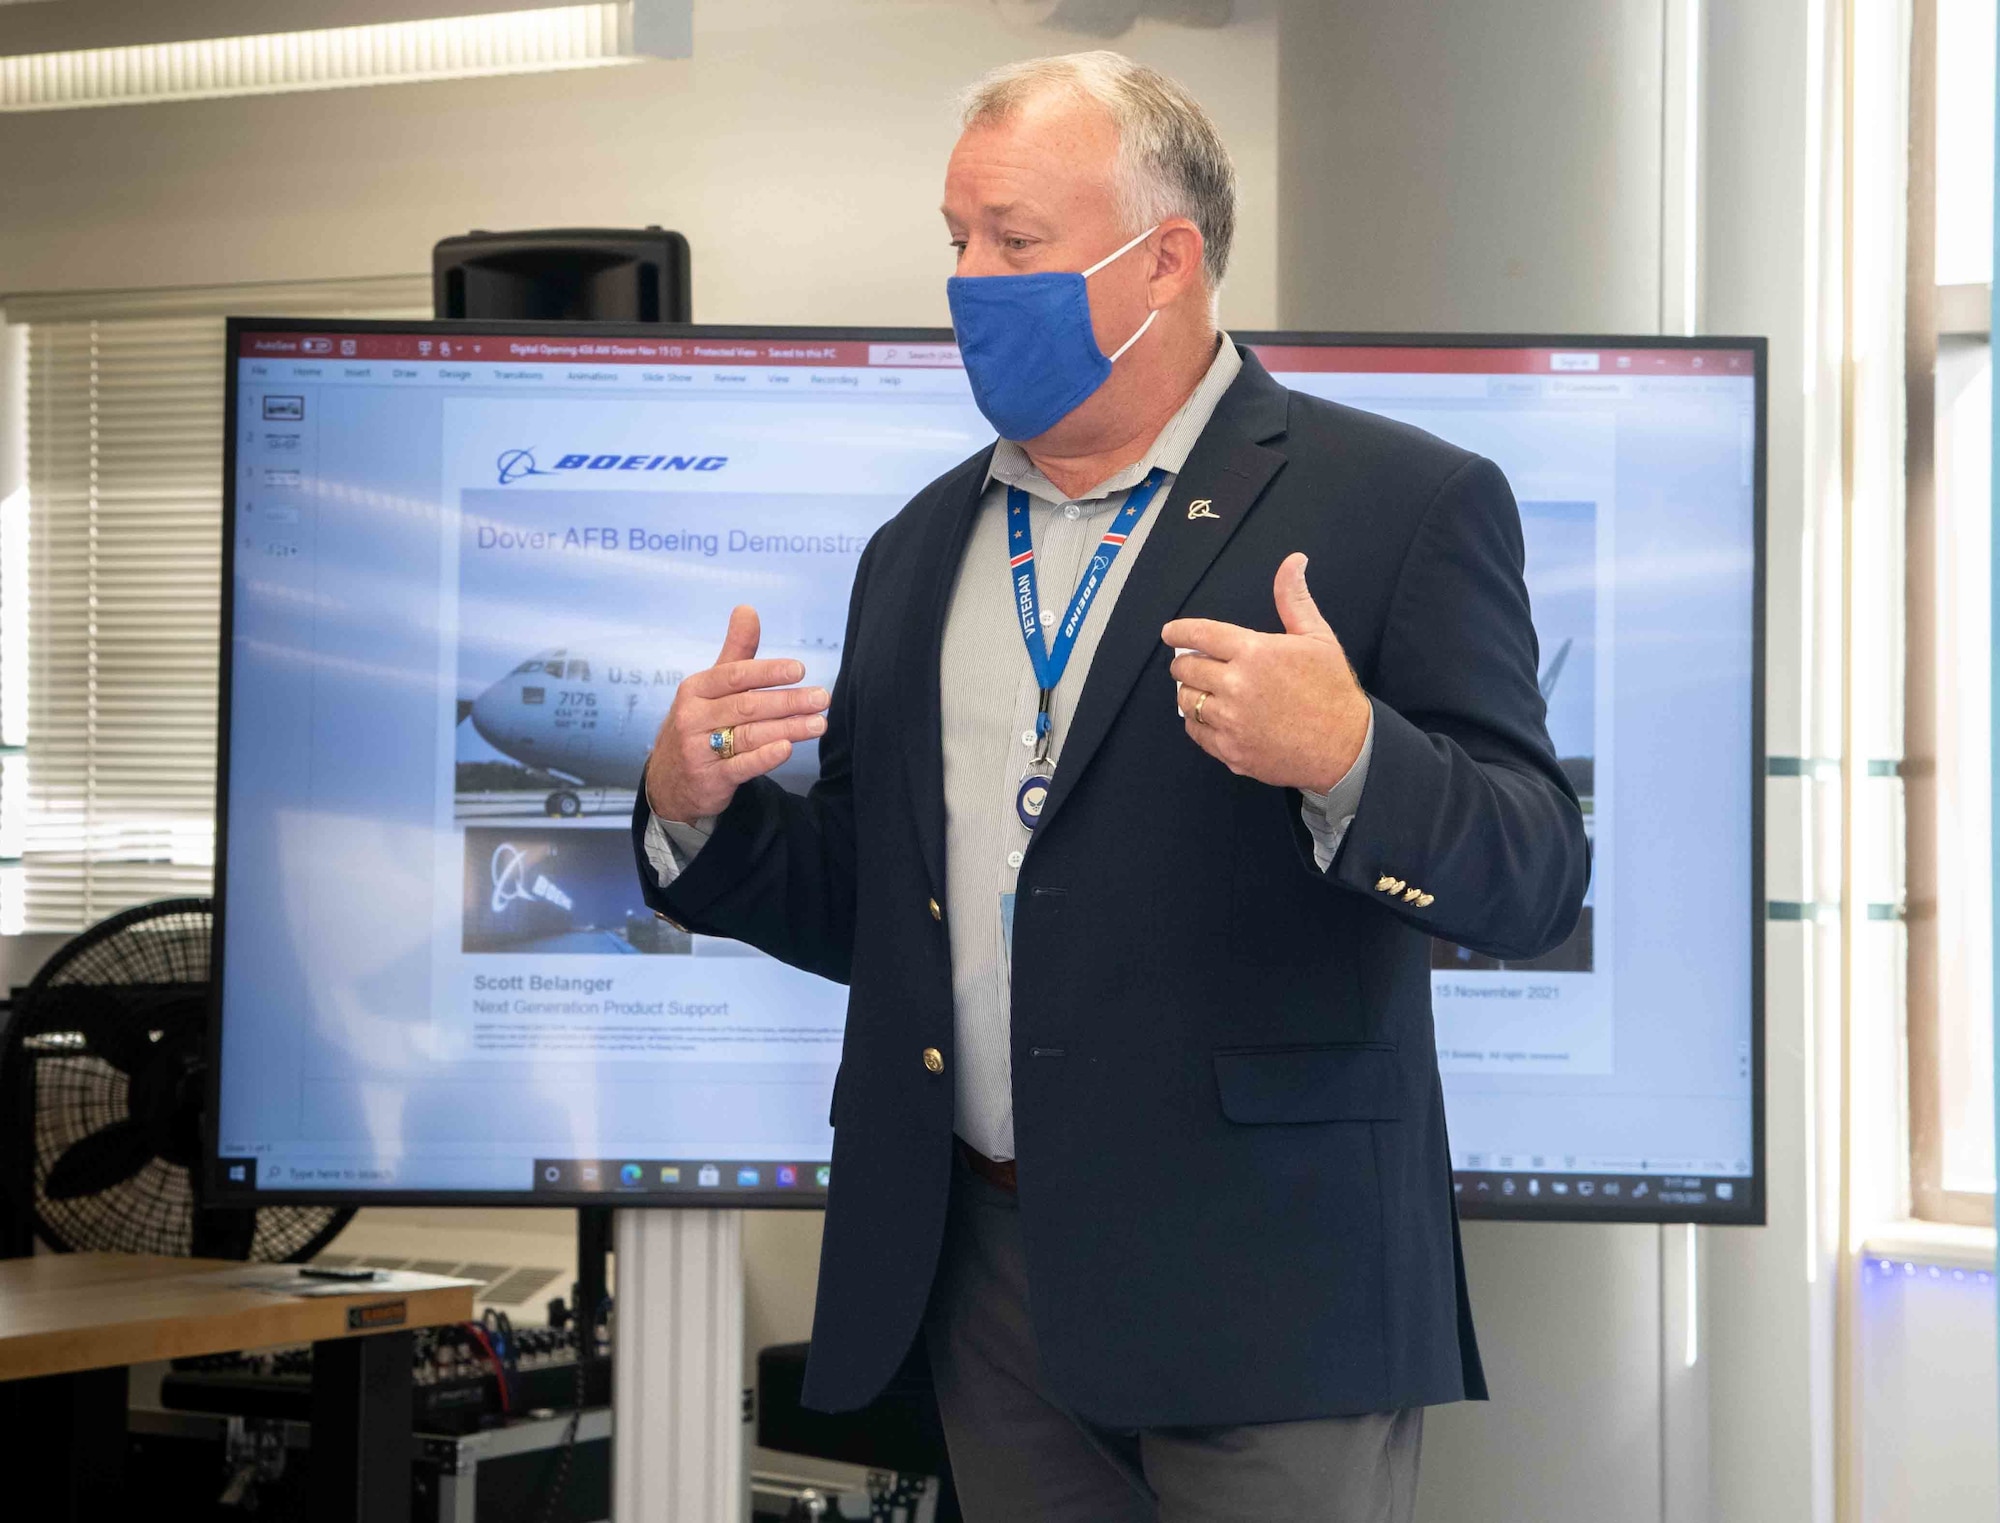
912,355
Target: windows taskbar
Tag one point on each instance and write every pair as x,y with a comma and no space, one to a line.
1510,1193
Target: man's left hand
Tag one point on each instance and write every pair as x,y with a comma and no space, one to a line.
1285,709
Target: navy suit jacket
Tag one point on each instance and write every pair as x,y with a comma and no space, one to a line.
1235,1189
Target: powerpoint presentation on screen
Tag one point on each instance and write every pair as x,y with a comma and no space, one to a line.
464,594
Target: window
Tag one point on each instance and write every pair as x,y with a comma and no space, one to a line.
1948,706
122,539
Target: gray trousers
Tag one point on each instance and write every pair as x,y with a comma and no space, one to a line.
1018,1455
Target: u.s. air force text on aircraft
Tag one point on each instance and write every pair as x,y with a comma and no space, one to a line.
607,539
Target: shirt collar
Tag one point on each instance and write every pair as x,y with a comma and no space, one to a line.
1169,451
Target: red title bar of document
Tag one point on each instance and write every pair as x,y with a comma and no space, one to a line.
1410,359
501,349
1355,359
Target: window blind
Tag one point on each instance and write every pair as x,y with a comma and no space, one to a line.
124,469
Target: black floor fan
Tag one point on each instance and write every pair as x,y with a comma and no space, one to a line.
102,1085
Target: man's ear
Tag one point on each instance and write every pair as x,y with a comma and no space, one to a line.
1177,262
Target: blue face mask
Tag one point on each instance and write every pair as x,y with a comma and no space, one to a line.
1028,345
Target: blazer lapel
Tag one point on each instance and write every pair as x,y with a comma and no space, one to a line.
1227,470
942,546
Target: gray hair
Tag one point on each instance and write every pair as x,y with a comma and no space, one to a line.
1171,162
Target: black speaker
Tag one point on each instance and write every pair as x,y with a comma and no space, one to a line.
900,1430
564,274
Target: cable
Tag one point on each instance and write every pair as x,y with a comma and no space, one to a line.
500,1328
499,1368
566,1451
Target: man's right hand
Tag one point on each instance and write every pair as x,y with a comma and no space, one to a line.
686,778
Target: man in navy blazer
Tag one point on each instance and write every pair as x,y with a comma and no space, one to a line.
1132,864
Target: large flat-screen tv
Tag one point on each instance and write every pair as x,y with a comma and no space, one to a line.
467,564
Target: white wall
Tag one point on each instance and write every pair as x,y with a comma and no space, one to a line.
1455,164
1569,1328
1461,165
801,150
1928,1425
1769,1323
1452,163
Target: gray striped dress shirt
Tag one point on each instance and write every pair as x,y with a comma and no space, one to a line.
988,699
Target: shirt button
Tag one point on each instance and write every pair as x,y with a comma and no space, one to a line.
934,1060
1027,737
1071,510
936,913
1013,859
1048,617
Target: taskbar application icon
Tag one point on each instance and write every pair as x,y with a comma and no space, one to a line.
655,1177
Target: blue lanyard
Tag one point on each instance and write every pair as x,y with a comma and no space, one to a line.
1051,661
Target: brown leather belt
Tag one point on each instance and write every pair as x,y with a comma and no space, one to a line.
998,1172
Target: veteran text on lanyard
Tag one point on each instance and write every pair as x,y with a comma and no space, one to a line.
1052,660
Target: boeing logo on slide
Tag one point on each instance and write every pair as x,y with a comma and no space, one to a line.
518,464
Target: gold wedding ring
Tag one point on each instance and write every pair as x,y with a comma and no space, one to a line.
1199,700
723,741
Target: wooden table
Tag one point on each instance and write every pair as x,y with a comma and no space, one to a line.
71,1323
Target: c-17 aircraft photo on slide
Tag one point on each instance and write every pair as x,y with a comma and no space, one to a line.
567,731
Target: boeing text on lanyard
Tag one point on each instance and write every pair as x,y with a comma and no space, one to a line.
1050,662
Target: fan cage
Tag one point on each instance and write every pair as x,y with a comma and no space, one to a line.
67,1092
